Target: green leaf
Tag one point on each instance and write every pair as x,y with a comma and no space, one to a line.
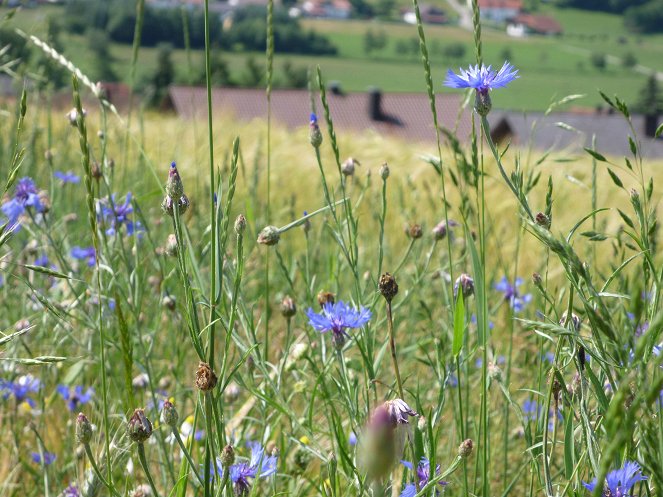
47,271
659,130
594,236
634,147
459,324
626,219
596,155
569,450
615,179
46,359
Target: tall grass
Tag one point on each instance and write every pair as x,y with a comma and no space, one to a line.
528,385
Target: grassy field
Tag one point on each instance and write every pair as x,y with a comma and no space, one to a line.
265,316
554,67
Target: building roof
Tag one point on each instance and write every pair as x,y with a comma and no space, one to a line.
501,4
539,24
403,115
573,131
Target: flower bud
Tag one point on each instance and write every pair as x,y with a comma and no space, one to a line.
543,220
440,230
171,245
482,103
240,224
205,377
169,414
415,231
227,458
314,135
536,279
348,167
466,284
139,428
465,448
270,235
288,307
83,429
95,171
168,205
388,286
174,186
384,171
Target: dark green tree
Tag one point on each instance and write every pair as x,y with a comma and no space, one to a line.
102,59
651,99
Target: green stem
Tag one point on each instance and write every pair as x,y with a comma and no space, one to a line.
96,470
392,347
143,463
187,455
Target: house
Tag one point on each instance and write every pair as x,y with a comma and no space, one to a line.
399,115
429,15
574,130
327,9
524,24
498,10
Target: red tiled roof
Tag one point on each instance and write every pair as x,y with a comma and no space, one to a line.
539,24
405,115
500,4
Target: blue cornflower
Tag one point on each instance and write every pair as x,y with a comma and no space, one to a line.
618,483
49,457
352,439
451,381
516,301
68,177
423,475
75,396
338,317
500,360
87,253
481,78
313,118
25,195
259,466
116,214
42,261
71,491
21,388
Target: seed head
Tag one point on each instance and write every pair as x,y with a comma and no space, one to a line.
288,307
270,235
169,414
205,377
388,286
465,448
83,429
139,428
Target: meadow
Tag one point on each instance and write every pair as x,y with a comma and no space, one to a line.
223,308
555,66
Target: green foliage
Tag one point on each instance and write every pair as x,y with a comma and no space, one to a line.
647,18
650,101
598,60
374,41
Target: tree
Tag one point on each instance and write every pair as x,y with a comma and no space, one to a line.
629,60
254,74
98,43
295,77
598,60
651,99
647,18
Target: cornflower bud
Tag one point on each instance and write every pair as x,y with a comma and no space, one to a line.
465,448
139,428
174,186
314,135
83,429
169,414
270,235
466,284
384,171
227,456
348,167
240,224
288,307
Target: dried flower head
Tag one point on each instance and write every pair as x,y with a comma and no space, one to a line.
288,307
388,286
205,377
415,231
